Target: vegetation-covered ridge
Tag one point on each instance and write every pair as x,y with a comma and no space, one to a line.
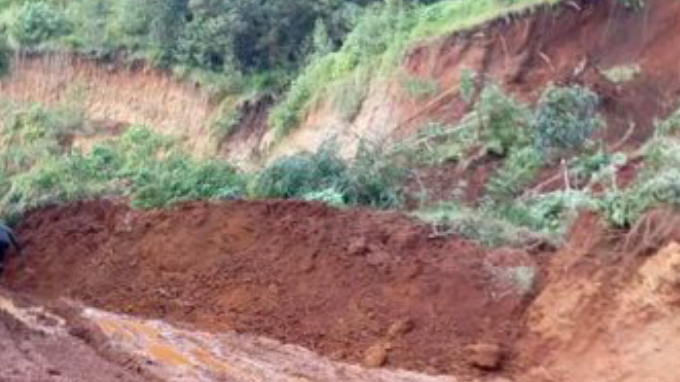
558,135
40,165
241,48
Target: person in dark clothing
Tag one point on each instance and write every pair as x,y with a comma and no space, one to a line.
7,239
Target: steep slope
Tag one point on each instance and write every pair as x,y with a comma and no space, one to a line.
113,93
571,43
610,309
575,42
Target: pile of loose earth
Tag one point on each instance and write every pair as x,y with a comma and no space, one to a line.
355,285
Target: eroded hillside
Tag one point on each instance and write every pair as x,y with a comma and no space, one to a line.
528,186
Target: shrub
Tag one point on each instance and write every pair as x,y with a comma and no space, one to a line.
370,179
550,214
373,178
297,175
227,118
478,224
180,178
668,126
517,172
436,144
503,120
149,168
419,88
468,85
36,23
349,94
565,118
658,184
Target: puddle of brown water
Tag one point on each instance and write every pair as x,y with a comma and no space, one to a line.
180,355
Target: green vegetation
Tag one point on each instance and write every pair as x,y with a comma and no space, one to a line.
381,36
479,224
418,88
622,73
526,141
303,48
5,56
517,173
34,23
468,85
503,120
303,51
39,167
372,178
561,123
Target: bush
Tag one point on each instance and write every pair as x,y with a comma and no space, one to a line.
490,229
419,88
297,175
36,23
555,211
147,167
503,120
468,85
669,126
517,173
373,179
180,178
658,184
565,118
370,179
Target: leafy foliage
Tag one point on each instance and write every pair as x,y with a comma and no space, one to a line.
379,40
503,120
37,22
370,179
517,172
468,85
39,168
419,88
301,174
565,118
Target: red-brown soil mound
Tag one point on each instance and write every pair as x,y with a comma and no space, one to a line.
340,282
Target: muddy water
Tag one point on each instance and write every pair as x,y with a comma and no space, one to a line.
182,355
169,353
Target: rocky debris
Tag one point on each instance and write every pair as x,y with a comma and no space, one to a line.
376,355
485,356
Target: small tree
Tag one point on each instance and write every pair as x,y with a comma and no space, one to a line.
565,118
36,23
503,120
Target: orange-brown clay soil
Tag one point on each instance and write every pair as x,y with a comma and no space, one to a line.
340,282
